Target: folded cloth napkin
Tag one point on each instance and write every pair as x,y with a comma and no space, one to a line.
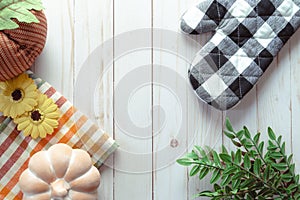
74,129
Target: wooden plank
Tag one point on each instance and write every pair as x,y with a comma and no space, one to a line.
132,100
180,120
170,115
170,124
93,28
274,98
170,98
56,63
295,97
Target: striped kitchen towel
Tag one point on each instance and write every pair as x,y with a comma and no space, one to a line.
74,129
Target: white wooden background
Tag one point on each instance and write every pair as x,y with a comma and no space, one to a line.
76,28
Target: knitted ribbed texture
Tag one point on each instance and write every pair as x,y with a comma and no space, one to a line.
20,47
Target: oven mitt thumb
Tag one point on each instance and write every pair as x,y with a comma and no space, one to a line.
248,35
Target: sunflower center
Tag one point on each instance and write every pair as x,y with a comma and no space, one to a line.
36,115
17,95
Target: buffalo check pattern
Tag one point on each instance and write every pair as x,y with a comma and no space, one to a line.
75,129
248,35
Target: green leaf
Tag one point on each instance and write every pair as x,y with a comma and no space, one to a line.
286,177
261,147
261,198
217,187
252,194
248,197
256,138
18,9
203,173
185,161
247,133
229,135
257,166
240,134
271,144
230,170
247,183
297,196
279,166
275,155
206,194
271,134
252,154
297,178
216,158
238,175
228,189
279,139
200,151
225,157
277,182
292,187
215,176
272,147
290,159
236,183
283,148
234,191
248,145
224,150
191,155
228,125
236,143
225,180
265,191
292,168
195,170
238,157
247,162
267,173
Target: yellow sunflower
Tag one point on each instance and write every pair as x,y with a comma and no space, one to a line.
42,120
17,96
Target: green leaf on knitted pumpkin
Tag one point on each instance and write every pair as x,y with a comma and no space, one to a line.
18,9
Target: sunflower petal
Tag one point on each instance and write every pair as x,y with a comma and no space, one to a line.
34,132
53,115
23,125
49,129
28,130
42,131
51,122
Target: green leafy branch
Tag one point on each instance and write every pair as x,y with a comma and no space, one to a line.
248,173
18,9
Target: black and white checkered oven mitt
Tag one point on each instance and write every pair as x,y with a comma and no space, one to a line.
248,35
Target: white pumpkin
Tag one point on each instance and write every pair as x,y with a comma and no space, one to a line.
61,173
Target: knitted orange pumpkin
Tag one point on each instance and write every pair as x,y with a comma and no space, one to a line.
19,47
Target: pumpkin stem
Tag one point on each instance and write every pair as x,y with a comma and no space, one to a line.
59,189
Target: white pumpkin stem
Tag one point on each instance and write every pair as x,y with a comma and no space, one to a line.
59,189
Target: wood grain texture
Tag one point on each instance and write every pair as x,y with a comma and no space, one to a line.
295,96
170,96
56,63
141,96
94,26
132,169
